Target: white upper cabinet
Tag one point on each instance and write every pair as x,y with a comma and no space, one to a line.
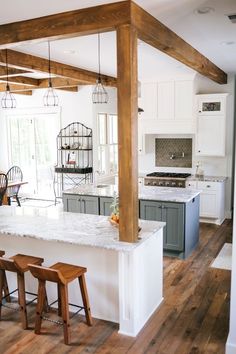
148,100
184,100
211,124
165,101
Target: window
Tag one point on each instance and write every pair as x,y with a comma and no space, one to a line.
107,144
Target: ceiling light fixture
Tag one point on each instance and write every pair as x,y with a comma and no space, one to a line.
204,10
50,98
99,94
227,43
8,99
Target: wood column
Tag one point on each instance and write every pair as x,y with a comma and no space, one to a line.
127,132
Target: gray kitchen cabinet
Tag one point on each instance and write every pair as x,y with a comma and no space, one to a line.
181,234
81,204
105,205
173,215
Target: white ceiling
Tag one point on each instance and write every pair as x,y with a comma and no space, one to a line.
208,33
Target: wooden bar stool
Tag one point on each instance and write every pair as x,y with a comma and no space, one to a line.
3,278
19,265
62,274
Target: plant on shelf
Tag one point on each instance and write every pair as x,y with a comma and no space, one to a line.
114,218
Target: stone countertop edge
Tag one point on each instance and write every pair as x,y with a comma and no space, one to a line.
164,194
63,227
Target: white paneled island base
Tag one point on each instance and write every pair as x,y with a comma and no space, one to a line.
125,281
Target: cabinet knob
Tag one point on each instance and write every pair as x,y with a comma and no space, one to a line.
199,150
199,111
208,186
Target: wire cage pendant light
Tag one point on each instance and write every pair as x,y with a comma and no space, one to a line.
50,97
99,94
8,100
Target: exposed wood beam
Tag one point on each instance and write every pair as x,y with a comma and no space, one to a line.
70,89
16,87
59,82
101,18
127,132
35,63
11,72
26,93
22,80
153,32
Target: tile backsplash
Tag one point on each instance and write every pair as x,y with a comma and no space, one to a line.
173,152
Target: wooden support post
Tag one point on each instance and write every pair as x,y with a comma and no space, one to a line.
127,132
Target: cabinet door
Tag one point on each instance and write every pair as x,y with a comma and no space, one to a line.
71,203
150,210
89,205
184,100
105,204
211,135
211,105
165,107
148,100
173,215
209,204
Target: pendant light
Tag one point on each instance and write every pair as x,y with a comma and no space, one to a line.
99,95
50,98
8,99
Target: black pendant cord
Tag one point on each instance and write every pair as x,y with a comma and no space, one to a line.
49,66
7,88
99,59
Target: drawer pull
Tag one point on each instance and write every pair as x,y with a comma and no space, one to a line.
208,186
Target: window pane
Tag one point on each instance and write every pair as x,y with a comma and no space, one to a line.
113,129
102,159
102,129
113,158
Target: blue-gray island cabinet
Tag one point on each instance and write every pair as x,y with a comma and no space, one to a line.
178,208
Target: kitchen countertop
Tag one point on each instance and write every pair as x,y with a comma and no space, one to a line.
53,224
181,195
207,178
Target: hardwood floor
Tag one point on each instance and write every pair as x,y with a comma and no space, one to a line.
193,318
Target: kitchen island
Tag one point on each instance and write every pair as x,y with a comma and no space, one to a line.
177,207
124,280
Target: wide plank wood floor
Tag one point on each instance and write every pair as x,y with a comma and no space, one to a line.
192,319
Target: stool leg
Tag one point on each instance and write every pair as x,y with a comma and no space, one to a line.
40,305
22,301
65,312
1,290
59,299
5,288
85,299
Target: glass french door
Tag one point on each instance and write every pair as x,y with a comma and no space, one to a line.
32,146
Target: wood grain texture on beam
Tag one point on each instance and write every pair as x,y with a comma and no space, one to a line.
70,89
127,132
22,80
25,93
86,21
16,87
11,72
35,63
153,32
59,82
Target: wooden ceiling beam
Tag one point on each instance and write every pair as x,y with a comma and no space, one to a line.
31,62
25,93
70,89
69,24
21,80
153,32
11,72
59,82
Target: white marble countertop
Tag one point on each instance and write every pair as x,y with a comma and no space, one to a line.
180,195
52,224
207,178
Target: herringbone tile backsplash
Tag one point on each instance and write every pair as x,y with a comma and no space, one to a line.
173,152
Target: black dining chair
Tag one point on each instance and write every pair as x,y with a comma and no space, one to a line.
14,174
3,186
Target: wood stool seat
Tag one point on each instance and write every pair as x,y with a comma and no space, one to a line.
62,274
18,264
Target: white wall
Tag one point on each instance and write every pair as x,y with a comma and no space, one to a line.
212,166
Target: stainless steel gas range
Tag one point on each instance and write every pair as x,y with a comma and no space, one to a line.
165,179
